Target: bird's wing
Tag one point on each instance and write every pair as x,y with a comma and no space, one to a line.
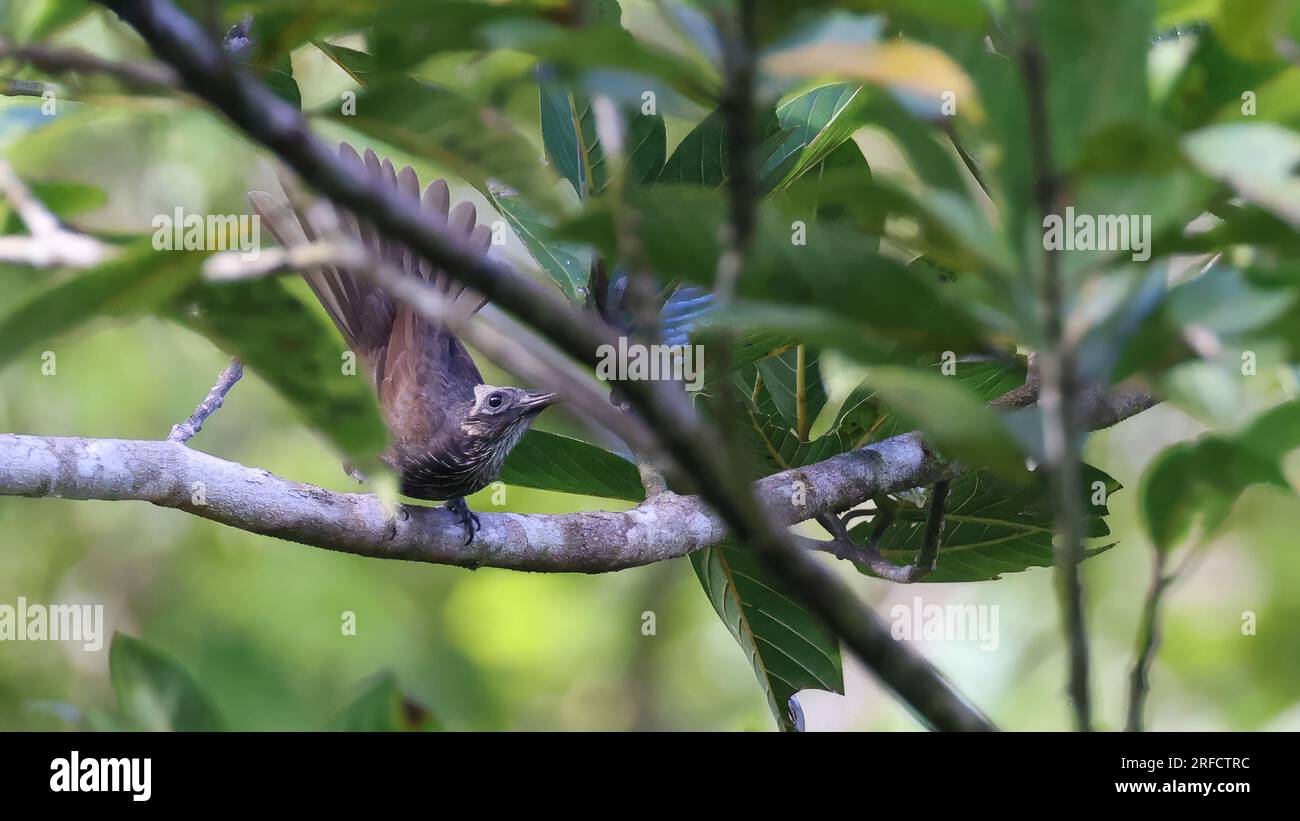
415,364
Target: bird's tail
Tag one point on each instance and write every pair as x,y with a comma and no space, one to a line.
363,312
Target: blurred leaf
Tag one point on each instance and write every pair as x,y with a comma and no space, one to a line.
133,283
38,19
916,69
836,269
992,527
1200,481
1261,161
1111,38
453,131
64,199
548,461
787,647
604,46
155,693
383,708
558,260
295,352
1252,28
952,417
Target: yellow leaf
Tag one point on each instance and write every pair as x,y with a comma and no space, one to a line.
899,65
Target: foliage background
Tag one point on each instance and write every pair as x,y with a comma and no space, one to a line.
257,622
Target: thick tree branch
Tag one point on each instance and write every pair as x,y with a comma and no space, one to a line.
171,475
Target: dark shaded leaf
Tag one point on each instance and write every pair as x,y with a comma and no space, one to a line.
548,461
155,693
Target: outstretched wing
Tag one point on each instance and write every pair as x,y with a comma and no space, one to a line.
419,368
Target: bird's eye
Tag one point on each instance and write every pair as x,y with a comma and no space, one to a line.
494,401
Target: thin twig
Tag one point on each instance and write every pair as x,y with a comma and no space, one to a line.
50,244
216,397
56,60
1147,643
1061,440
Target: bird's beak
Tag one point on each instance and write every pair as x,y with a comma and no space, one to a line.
537,400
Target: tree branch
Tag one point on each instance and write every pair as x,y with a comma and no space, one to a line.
664,527
184,431
1058,373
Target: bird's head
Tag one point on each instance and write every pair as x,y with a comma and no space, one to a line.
501,416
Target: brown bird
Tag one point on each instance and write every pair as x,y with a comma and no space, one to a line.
450,432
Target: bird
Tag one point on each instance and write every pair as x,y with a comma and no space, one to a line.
449,432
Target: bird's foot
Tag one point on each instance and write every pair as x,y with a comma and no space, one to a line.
468,519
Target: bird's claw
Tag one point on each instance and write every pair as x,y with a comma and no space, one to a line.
468,519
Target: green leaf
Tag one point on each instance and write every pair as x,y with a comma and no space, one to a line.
559,260
133,283
569,136
646,146
446,128
1200,481
289,346
382,708
548,461
1112,38
1259,160
992,527
838,269
816,123
64,199
787,647
701,157
38,19
782,375
155,693
955,420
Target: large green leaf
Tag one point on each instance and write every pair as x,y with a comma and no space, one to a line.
155,693
382,708
295,352
1111,38
1259,161
569,136
837,269
816,123
1200,481
549,461
792,387
992,527
134,282
701,157
787,647
559,260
